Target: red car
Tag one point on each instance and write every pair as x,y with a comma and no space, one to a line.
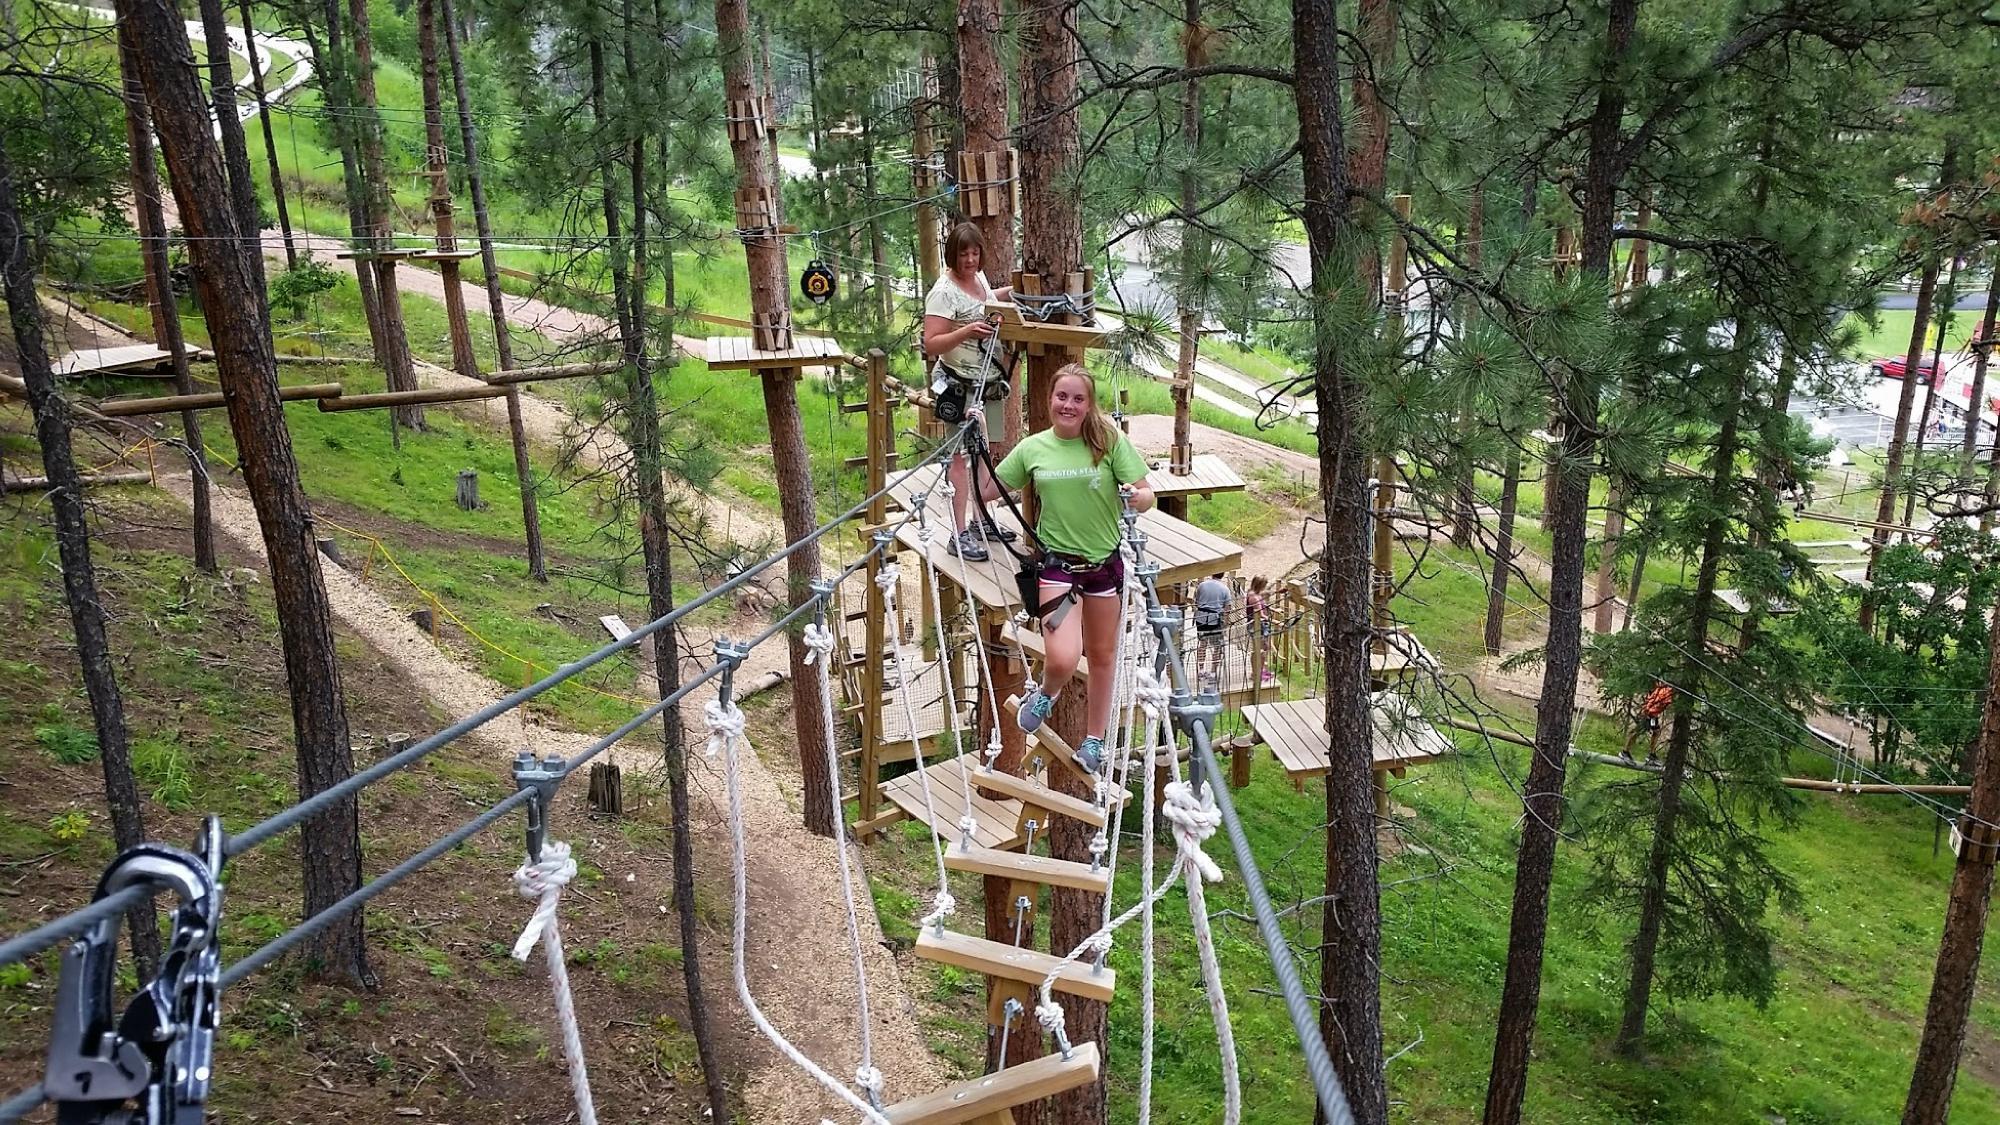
1894,367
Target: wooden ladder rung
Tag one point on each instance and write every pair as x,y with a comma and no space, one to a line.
988,1096
1041,796
1014,962
1033,868
1053,743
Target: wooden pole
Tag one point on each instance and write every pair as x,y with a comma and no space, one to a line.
875,638
400,399
560,371
462,359
923,177
139,407
395,335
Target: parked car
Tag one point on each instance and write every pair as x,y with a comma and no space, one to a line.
1894,367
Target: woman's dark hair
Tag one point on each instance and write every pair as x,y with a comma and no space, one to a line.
962,236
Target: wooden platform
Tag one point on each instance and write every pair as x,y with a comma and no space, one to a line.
135,359
1207,474
1184,551
1236,689
443,255
1295,730
734,353
390,254
999,821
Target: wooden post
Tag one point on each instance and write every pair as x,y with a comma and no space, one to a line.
985,160
468,490
875,636
1385,544
607,789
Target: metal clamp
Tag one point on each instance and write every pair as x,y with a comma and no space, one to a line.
730,655
543,776
162,1049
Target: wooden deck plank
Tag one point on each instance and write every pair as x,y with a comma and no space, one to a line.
1293,730
734,353
93,361
979,1099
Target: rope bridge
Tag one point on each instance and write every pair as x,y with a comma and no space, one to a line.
97,1065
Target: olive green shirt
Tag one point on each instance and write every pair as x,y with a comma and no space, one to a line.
1080,502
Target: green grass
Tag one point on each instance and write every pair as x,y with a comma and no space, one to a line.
1890,334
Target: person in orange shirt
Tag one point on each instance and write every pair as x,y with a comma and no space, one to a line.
1655,705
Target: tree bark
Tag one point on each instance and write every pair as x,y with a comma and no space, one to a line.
770,301
1350,929
462,359
160,300
649,466
1542,796
1957,973
1503,551
1892,462
1946,298
270,140
395,335
235,152
877,250
330,65
1680,742
1465,514
1976,409
240,331
1194,44
72,527
1368,147
982,114
496,302
925,179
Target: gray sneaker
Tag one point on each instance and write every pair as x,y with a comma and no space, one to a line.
967,545
1034,709
1090,755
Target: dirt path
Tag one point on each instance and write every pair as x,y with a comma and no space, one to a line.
796,952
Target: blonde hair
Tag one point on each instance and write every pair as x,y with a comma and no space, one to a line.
1098,433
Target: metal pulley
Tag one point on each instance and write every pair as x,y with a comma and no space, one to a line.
817,282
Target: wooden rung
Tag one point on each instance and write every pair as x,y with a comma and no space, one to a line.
1039,795
1053,743
986,1097
1013,962
1033,868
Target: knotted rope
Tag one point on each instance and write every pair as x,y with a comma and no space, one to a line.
542,881
725,725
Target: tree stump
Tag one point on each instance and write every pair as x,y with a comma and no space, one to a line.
607,789
426,620
331,550
468,490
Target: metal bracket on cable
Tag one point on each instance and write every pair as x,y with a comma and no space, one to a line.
544,776
162,1051
730,655
1190,711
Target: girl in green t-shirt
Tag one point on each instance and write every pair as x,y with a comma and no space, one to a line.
1082,471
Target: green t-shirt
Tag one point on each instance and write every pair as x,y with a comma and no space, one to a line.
1080,502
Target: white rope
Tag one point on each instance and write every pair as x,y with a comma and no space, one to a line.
1146,967
968,821
888,580
543,882
819,651
725,727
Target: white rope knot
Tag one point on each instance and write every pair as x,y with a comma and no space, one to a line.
1051,1016
1097,944
942,907
725,726
1194,818
926,535
1151,692
869,1079
947,488
1021,619
968,825
1099,845
542,881
819,642
993,746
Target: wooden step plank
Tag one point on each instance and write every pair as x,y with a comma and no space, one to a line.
1013,962
991,1094
1039,795
1034,868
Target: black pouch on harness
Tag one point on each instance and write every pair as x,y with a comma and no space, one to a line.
1028,580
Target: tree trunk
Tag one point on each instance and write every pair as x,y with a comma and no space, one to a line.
235,153
1604,599
1465,514
1051,254
240,331
1976,408
160,300
1673,775
1947,297
1503,551
1194,43
1350,932
982,113
1543,794
462,359
496,302
331,66
925,178
1892,462
770,302
1368,146
771,121
1957,974
649,466
877,250
395,336
270,140
72,527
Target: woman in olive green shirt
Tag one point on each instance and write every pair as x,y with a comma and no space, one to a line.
1083,471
